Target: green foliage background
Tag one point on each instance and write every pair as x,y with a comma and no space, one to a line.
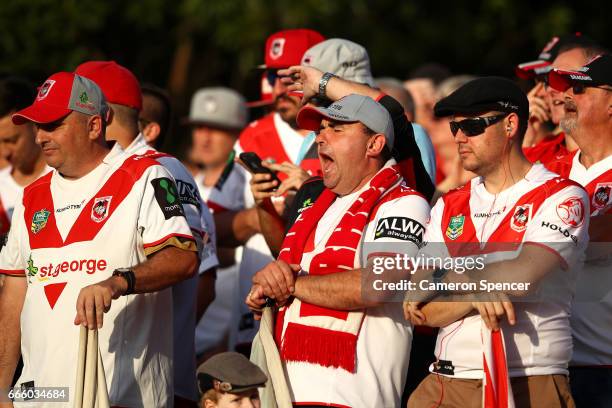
218,42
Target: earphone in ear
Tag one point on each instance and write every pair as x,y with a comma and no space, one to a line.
509,129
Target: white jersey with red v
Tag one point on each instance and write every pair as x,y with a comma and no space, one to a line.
592,310
67,234
541,209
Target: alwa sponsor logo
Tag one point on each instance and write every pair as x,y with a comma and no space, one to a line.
402,228
561,230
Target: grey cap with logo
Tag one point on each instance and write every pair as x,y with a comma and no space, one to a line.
343,58
351,108
218,107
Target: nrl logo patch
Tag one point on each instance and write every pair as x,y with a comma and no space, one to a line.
39,220
43,91
99,210
520,218
276,49
455,227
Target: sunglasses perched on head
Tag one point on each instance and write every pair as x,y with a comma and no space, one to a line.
475,126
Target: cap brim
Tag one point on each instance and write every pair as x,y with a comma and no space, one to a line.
38,113
450,110
528,70
561,80
260,103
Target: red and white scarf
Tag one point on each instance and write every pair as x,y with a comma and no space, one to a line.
319,335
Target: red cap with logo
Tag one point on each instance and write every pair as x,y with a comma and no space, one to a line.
286,48
119,84
61,94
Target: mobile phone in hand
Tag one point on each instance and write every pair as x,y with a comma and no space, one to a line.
253,163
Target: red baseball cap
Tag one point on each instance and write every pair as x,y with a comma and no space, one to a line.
286,48
61,94
119,84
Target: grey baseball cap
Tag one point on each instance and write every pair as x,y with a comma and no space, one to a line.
231,371
61,94
341,57
351,108
221,107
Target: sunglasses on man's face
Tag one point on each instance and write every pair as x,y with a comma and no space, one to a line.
579,88
272,76
475,126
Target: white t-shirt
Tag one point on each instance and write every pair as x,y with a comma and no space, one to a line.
540,343
184,294
384,339
67,234
591,317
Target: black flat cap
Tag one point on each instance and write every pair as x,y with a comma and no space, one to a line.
483,95
234,372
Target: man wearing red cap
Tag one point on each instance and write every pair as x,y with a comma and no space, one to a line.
123,93
104,232
588,120
545,141
275,137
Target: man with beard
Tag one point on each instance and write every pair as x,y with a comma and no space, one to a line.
588,120
276,138
567,52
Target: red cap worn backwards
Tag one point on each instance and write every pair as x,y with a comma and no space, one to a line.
118,83
61,94
286,48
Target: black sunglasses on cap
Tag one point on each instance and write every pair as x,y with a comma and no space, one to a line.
475,126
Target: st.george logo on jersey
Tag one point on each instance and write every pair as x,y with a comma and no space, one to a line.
571,211
455,227
39,220
601,197
520,218
99,211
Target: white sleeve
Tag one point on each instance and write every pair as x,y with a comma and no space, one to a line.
162,218
562,224
433,241
12,255
397,227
